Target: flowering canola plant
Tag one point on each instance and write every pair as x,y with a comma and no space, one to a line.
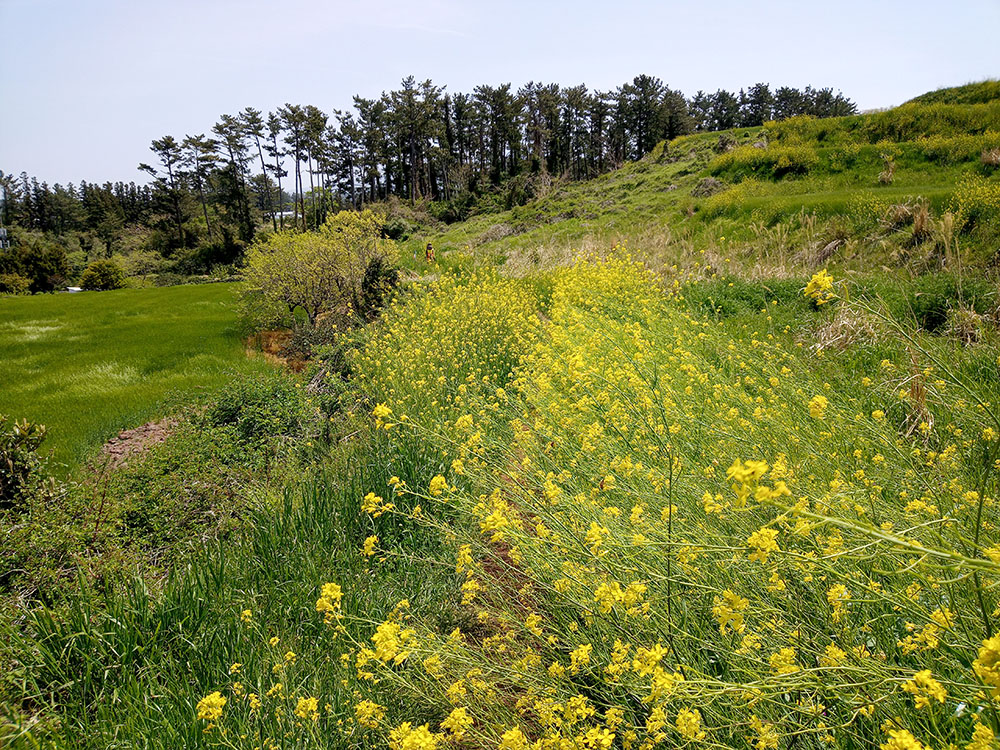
668,531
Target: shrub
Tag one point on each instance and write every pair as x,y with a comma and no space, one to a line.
377,286
37,258
21,468
316,272
958,148
773,161
975,199
14,283
102,275
262,408
935,297
397,228
728,200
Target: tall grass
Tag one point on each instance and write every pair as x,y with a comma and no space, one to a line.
127,669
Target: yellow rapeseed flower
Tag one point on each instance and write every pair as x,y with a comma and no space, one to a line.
210,707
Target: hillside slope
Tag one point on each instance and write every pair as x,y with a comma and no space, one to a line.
854,193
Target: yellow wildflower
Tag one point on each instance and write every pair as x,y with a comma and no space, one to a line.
307,708
457,722
689,724
369,714
924,689
210,707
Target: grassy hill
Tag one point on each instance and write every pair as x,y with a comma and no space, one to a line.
971,93
854,193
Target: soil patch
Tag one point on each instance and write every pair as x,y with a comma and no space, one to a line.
128,443
273,346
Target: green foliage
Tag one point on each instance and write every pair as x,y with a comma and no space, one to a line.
397,228
771,162
102,275
197,483
316,272
194,484
958,148
976,200
35,257
14,283
932,298
377,286
22,470
183,635
259,409
732,296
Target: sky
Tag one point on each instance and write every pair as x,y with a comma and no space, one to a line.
86,85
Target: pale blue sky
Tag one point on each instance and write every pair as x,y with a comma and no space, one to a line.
85,85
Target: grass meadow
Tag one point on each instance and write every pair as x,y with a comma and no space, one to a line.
90,364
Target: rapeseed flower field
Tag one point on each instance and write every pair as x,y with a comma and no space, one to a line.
665,531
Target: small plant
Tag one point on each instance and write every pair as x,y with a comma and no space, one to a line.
888,173
102,275
820,288
261,408
21,468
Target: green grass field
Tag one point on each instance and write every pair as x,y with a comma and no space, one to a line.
88,365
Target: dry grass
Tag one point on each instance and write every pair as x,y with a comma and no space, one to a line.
850,325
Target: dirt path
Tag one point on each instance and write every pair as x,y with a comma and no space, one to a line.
128,443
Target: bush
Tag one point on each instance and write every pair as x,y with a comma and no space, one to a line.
14,283
934,297
262,408
102,275
316,273
377,286
959,148
773,161
397,228
976,199
21,468
37,258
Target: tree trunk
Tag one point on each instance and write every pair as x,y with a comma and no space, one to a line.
267,184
